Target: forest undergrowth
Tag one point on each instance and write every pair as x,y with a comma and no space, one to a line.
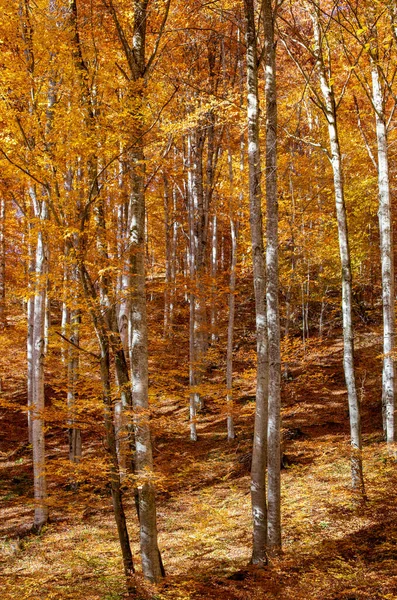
333,549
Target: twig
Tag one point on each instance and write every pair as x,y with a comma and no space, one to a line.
78,347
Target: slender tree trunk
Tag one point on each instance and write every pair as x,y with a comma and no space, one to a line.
273,319
99,307
291,280
344,250
123,424
191,262
386,249
117,495
259,451
102,333
73,377
173,272
230,330
125,440
29,318
47,314
214,267
38,401
29,356
200,233
65,311
168,230
3,320
151,559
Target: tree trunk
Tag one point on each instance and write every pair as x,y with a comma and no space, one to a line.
29,320
199,230
386,250
138,343
102,333
230,331
3,320
151,559
169,238
259,451
214,267
73,377
344,250
273,319
38,401
101,308
117,495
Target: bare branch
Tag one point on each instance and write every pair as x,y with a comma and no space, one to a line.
96,356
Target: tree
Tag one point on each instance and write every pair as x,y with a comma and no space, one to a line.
259,451
330,111
272,284
138,71
366,31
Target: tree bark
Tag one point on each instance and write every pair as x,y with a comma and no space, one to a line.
138,343
230,330
101,309
38,400
3,320
214,269
387,262
273,318
344,250
151,559
73,377
259,451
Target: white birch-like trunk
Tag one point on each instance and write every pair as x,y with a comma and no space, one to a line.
151,559
291,281
73,377
191,262
29,320
152,565
214,268
386,252
259,450
47,317
168,230
273,318
230,330
38,401
173,261
3,320
193,399
65,312
344,250
200,232
29,356
123,427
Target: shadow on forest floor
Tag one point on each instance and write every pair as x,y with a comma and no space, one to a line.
333,550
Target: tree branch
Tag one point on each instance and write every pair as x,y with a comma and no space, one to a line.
77,346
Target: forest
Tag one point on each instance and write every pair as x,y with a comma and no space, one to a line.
197,305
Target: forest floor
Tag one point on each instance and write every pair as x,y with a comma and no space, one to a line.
333,549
